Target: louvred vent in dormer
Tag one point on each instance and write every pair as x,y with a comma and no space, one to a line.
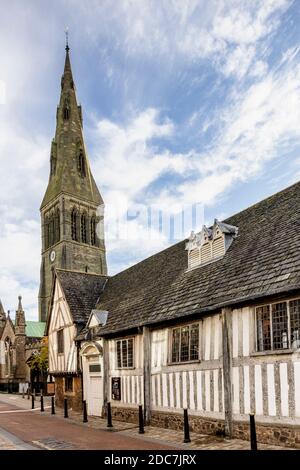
210,244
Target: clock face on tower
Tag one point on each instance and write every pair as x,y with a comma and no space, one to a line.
52,256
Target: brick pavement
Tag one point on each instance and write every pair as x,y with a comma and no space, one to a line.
153,436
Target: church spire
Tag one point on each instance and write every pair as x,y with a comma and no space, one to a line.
69,166
69,210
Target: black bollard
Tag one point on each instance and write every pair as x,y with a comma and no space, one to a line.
109,421
66,408
186,426
141,420
42,403
28,393
253,433
32,401
52,406
85,418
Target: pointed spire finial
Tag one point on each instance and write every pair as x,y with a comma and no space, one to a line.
20,303
67,39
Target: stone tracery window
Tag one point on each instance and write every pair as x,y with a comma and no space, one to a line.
46,232
93,231
8,356
57,226
74,224
51,229
83,229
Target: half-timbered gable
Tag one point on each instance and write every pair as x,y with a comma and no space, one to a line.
73,298
62,331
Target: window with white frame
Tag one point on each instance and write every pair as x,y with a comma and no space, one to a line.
124,353
278,326
185,343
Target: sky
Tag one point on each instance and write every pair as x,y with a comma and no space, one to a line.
186,104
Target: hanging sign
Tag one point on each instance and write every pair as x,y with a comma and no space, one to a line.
116,388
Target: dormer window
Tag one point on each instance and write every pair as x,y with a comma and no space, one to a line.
210,244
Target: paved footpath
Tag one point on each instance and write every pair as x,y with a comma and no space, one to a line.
20,426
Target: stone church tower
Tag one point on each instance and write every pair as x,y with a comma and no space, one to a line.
72,237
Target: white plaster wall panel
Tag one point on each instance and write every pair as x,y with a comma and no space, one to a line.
246,326
235,334
216,336
246,390
207,390
133,397
184,390
171,383
258,390
165,390
297,387
158,383
199,390
216,390
284,389
271,390
177,388
192,391
153,396
207,332
236,390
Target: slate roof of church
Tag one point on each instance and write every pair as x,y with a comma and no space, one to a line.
263,260
81,291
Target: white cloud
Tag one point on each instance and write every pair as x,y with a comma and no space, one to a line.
228,32
256,127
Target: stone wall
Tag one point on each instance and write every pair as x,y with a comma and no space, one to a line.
129,415
277,434
74,398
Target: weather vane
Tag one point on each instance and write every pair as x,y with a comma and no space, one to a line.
67,38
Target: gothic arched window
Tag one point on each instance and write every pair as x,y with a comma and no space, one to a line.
51,230
74,224
83,229
46,232
8,356
57,226
81,163
93,231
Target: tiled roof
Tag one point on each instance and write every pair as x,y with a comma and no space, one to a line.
264,259
82,291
